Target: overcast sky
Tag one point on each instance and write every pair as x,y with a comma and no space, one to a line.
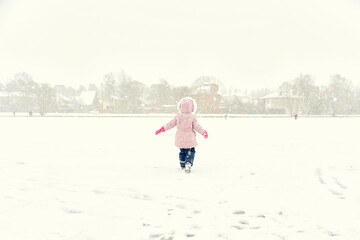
245,44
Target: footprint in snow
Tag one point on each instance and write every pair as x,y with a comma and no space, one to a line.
319,175
155,235
181,206
162,236
250,222
99,191
72,210
244,222
239,212
142,197
189,235
238,227
339,183
333,184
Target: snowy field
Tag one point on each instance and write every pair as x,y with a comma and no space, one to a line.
112,178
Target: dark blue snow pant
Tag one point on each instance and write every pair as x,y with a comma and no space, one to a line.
186,155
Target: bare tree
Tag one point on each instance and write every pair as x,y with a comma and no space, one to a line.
300,94
286,92
306,92
92,87
46,97
109,86
24,85
180,92
160,94
130,93
340,96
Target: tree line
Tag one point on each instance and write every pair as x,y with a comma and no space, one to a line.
339,97
120,93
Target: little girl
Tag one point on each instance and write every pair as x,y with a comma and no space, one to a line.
185,137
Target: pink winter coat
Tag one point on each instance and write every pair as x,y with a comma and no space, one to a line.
186,124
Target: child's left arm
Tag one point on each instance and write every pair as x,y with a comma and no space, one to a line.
197,127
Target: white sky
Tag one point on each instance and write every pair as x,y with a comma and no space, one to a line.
246,44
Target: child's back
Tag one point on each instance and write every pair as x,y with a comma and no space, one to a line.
185,137
186,124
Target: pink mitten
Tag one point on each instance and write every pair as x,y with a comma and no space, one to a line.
162,129
205,134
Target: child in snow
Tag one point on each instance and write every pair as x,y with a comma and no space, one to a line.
185,137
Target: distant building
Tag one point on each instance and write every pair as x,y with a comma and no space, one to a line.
237,99
11,101
277,103
4,101
111,104
236,104
64,104
88,102
207,98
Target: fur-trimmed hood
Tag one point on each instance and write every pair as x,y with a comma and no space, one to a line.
187,105
186,124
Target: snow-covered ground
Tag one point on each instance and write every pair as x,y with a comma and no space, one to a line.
112,178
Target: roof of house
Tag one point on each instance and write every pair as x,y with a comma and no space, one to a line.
272,95
277,95
87,97
203,89
62,97
9,94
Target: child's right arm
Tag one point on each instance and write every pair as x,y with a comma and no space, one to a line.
167,126
162,129
171,124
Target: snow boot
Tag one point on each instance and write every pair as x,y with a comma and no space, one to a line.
187,167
